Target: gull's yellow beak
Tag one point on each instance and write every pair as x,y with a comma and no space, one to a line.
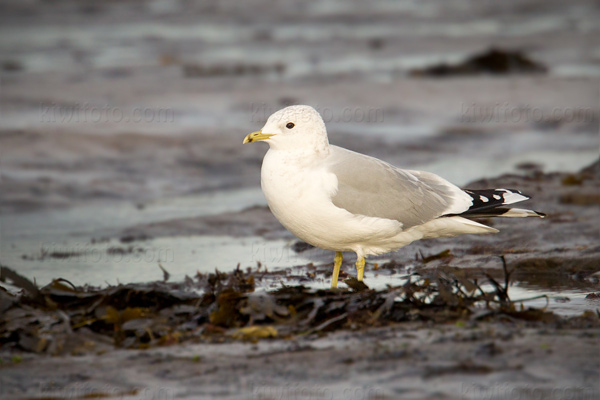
257,136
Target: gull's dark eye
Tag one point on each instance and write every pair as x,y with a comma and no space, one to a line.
290,125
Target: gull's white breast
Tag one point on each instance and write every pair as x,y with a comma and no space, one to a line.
298,189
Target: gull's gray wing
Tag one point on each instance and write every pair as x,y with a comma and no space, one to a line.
374,188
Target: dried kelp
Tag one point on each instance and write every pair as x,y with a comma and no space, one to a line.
492,61
63,318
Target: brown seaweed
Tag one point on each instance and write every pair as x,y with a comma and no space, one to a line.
63,318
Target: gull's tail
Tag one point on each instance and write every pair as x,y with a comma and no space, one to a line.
490,202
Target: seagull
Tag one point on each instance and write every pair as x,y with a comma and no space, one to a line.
344,201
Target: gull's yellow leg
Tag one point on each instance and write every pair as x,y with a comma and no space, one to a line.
360,268
337,263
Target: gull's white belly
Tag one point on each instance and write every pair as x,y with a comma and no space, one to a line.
300,198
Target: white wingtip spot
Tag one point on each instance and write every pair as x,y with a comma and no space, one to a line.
483,198
512,197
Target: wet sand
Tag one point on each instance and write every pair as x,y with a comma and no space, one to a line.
506,360
468,357
84,172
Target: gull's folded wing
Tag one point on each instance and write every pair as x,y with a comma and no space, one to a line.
374,188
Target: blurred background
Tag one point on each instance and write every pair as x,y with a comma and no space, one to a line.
122,121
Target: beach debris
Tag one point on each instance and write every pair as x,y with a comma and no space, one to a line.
301,246
441,255
494,61
62,318
234,69
253,333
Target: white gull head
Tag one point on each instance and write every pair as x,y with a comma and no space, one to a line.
293,128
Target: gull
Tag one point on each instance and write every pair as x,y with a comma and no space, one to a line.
340,200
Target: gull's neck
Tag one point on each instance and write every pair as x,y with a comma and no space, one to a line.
300,157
